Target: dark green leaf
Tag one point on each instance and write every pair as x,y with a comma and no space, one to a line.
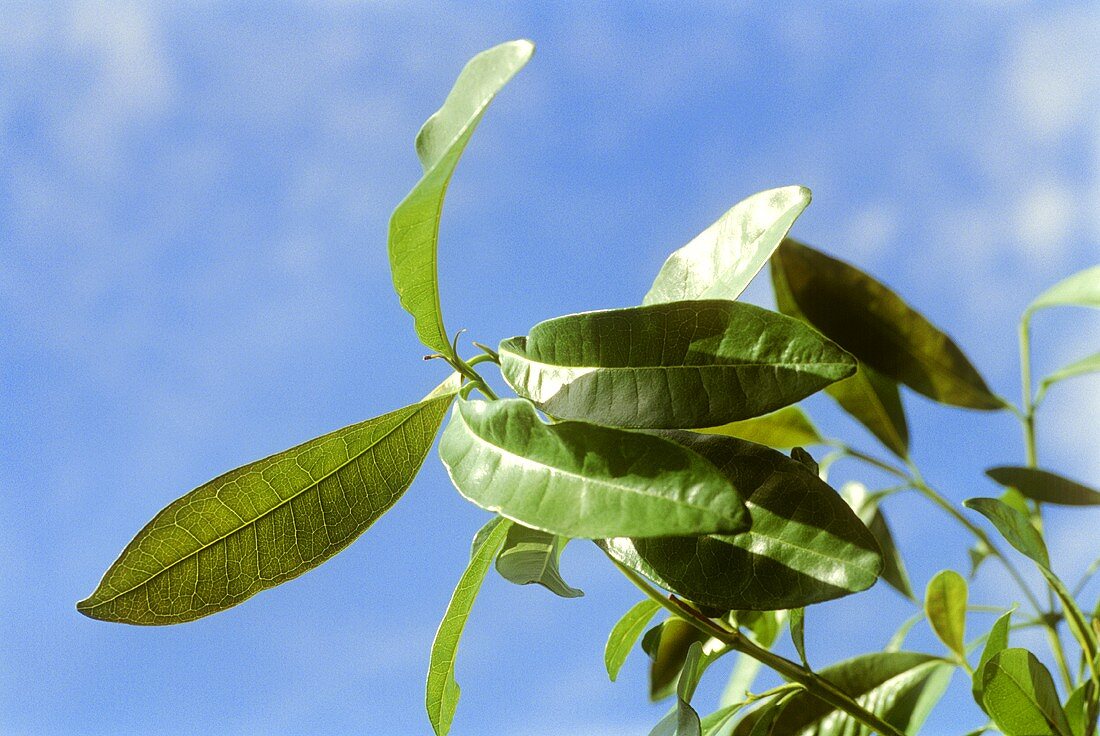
625,633
1082,289
414,226
441,696
994,643
870,513
805,545
1020,697
900,687
787,427
721,261
798,633
806,460
683,720
1042,485
677,365
945,605
582,480
531,556
875,402
269,521
877,326
767,716
668,645
1013,526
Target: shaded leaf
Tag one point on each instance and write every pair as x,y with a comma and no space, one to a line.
582,480
1045,486
873,323
269,521
677,365
995,642
414,225
441,695
1020,697
874,518
531,556
805,545
683,720
784,428
667,645
945,605
977,554
1082,289
797,621
721,261
875,402
625,633
767,716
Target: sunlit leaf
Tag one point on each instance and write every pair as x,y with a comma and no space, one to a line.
787,427
716,722
1020,696
721,261
874,518
805,545
995,642
625,633
1045,486
683,720
1081,289
677,365
269,521
441,695
873,323
1076,709
582,480
531,556
797,621
945,605
414,225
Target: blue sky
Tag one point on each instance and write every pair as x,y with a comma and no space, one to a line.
193,204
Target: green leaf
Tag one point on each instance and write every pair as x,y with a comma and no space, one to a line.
1020,697
1014,527
875,402
788,427
269,521
1045,486
797,623
716,722
1082,289
721,261
683,720
873,323
945,605
441,696
414,226
900,687
531,556
1076,709
874,518
995,642
677,365
625,633
582,480
1090,364
668,645
805,545
767,716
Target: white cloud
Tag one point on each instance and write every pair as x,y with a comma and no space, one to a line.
1045,219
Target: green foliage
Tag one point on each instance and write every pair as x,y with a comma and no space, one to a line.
729,536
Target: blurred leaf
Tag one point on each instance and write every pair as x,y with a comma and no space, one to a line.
1020,697
978,554
531,556
797,622
668,645
870,513
683,720
1081,289
1090,364
1076,709
441,696
805,545
785,428
767,716
877,326
269,521
677,365
625,633
996,642
582,480
721,261
414,225
715,723
1045,486
945,605
875,402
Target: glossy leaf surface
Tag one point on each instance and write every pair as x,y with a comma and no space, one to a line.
441,695
945,605
582,480
873,323
677,365
995,642
785,428
269,521
625,634
531,556
721,261
1082,289
1045,486
414,225
805,545
1020,696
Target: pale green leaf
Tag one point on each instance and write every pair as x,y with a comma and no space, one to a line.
1045,486
1090,364
1020,696
1014,526
625,633
677,365
797,621
1077,709
716,723
582,480
531,556
874,518
995,642
441,695
945,601
784,428
269,521
414,225
1082,289
721,261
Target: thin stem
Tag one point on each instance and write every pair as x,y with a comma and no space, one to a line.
1028,418
816,685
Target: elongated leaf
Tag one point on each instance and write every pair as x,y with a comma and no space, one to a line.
877,326
805,545
875,402
798,633
683,720
721,261
1076,709
996,642
1045,486
683,364
874,518
441,695
269,521
625,633
1090,364
1020,697
668,645
1082,289
788,427
900,687
716,723
531,556
945,605
581,480
414,226
767,716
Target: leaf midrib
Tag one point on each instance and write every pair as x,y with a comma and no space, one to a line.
705,367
